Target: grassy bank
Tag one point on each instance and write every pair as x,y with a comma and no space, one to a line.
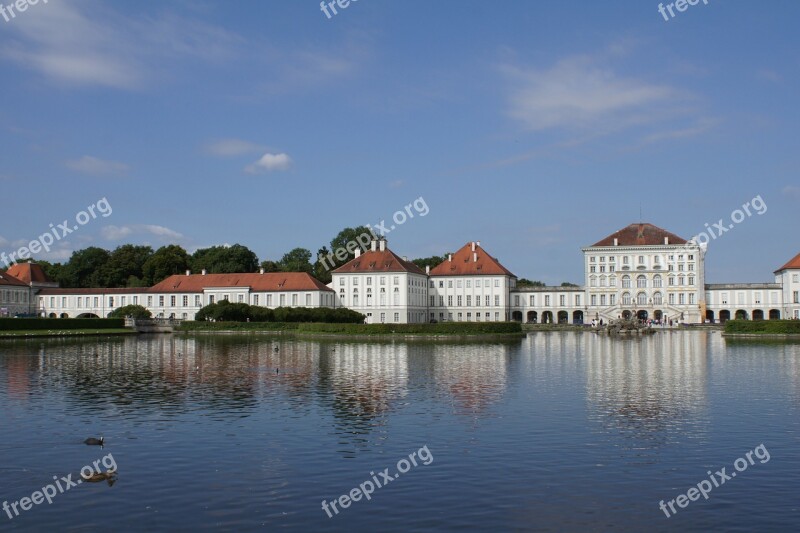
60,324
441,329
762,327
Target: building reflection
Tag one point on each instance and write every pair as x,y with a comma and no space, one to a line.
472,376
650,389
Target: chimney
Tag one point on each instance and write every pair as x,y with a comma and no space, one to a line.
616,241
358,251
427,269
405,258
373,245
203,272
478,243
473,246
260,270
666,240
450,257
383,245
188,272
474,257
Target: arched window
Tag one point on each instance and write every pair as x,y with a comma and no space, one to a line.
626,298
641,298
396,297
612,281
626,282
641,282
657,281
657,299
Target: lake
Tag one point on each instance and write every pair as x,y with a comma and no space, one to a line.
558,431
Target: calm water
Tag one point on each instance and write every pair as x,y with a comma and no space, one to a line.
555,432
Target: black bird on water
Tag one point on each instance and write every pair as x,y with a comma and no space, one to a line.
94,442
277,349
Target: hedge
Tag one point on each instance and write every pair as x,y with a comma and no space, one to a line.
235,326
225,311
26,324
778,327
441,328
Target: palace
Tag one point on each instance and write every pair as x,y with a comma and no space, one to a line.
639,271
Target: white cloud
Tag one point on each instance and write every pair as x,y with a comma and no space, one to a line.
116,233
269,162
792,191
578,92
233,147
396,184
97,167
89,43
3,241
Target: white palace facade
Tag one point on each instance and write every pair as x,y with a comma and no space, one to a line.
639,271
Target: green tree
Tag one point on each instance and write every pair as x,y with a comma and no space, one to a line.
224,259
297,260
165,262
431,261
133,311
523,282
568,284
85,268
125,265
360,235
323,270
270,266
52,270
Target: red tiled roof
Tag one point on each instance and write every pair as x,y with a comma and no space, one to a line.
793,263
62,291
8,279
378,261
28,272
641,234
268,282
464,264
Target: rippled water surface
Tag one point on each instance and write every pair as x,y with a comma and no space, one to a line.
554,432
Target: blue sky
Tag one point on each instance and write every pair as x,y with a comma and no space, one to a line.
534,127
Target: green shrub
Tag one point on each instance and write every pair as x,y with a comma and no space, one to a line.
134,311
442,328
18,324
225,311
236,326
763,326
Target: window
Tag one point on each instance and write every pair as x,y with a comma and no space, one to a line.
469,283
186,300
460,317
602,259
592,268
369,280
591,259
626,298
612,299
612,281
641,259
459,301
383,280
691,280
516,300
397,317
641,298
240,298
383,318
441,284
724,298
469,317
161,301
602,281
308,299
283,300
450,301
796,297
795,278
577,300
681,299
593,281
657,281
626,282
691,267
671,281
110,301
396,281
562,300
533,300
680,267
487,300
396,296
641,282
497,300
122,303
625,260
657,300
547,300
64,301
497,283
691,298
449,283
602,299
458,283
135,300
341,281
594,299
355,280
441,301
80,302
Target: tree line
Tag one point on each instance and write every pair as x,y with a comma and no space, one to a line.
131,265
